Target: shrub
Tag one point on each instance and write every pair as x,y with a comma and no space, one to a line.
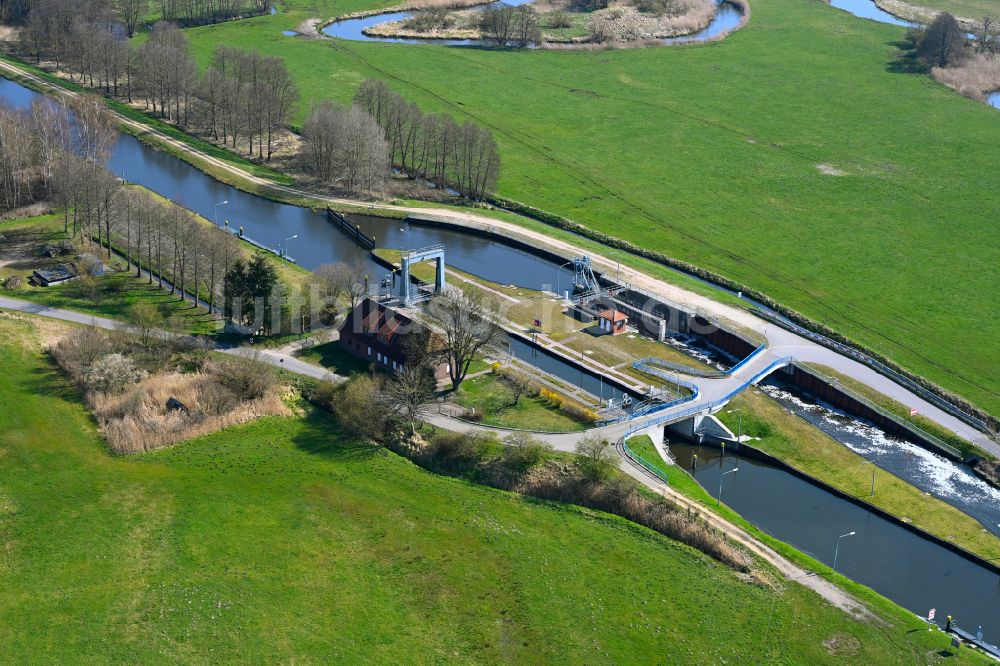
579,412
357,406
524,452
560,19
76,352
587,5
111,374
553,398
596,460
621,24
12,283
436,18
464,449
246,376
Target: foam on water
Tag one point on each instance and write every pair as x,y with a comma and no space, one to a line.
950,481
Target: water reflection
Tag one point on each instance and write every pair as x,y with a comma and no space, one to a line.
905,567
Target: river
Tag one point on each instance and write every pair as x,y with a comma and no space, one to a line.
727,17
952,482
777,508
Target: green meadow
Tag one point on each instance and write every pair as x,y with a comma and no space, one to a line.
286,541
722,155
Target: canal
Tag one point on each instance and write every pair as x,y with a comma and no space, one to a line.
913,571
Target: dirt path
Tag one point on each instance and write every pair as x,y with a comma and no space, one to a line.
789,570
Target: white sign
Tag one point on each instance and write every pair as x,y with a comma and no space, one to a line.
930,614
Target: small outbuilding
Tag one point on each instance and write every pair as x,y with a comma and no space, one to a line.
49,276
612,322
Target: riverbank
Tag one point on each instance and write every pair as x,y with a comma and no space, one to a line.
548,237
921,14
795,442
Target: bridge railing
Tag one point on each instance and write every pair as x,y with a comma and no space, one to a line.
641,462
709,406
754,354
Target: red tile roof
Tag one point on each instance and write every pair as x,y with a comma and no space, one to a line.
613,315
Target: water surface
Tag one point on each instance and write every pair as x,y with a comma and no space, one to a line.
913,571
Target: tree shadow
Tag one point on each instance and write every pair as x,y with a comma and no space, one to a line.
46,379
322,436
906,60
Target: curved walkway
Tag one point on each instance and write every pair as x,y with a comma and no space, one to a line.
781,342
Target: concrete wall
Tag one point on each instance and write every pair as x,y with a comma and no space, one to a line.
832,394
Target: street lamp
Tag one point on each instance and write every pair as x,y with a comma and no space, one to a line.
216,214
286,244
718,499
559,277
407,232
739,417
836,551
872,463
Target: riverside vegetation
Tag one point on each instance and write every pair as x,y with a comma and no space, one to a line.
169,538
886,170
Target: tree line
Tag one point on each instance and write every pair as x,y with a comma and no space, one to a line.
432,147
243,100
131,13
56,153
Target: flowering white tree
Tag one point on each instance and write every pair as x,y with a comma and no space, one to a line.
111,374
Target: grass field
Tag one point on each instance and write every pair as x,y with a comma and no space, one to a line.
487,394
285,541
711,153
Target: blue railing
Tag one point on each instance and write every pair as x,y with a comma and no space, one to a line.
754,354
709,406
641,462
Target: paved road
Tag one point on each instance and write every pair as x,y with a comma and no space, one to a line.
781,341
274,357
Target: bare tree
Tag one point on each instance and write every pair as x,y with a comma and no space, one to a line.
345,146
470,324
411,387
131,12
497,23
97,130
943,41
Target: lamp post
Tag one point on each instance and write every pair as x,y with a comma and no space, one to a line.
836,551
872,463
216,214
718,499
559,277
407,232
739,421
286,244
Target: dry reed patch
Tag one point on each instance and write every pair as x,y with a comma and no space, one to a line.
37,333
138,419
974,77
